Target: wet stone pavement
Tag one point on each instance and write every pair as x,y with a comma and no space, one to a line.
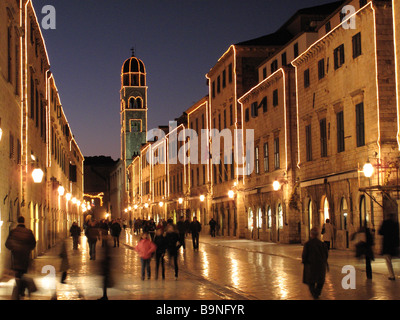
221,269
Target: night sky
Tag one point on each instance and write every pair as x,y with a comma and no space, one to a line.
178,41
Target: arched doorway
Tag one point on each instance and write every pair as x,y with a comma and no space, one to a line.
279,219
250,222
344,222
259,222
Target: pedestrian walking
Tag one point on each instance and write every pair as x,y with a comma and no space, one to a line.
103,228
115,231
181,231
328,233
145,248
173,245
64,262
75,232
92,235
21,242
390,246
161,244
152,228
106,271
212,224
195,228
315,260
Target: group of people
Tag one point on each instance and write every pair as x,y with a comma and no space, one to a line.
98,231
315,251
168,238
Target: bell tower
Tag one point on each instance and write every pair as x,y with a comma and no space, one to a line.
133,108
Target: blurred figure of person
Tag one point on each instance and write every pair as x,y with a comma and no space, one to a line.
145,248
75,232
64,262
20,242
92,235
315,260
161,244
181,231
106,271
328,233
103,226
115,231
390,246
151,228
364,244
213,225
173,245
187,225
195,228
160,226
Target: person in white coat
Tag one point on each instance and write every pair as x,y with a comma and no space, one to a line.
328,233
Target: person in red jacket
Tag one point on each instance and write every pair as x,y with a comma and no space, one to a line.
145,248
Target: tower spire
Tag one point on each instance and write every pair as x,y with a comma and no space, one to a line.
133,51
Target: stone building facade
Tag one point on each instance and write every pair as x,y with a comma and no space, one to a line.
35,137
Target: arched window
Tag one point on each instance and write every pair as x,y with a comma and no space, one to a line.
326,209
250,219
344,214
259,218
269,217
280,217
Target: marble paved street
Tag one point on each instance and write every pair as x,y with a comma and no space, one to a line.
221,269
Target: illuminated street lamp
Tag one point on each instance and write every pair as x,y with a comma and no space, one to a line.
161,203
180,200
202,197
135,206
68,196
368,169
37,175
73,200
276,185
231,194
146,205
126,210
61,191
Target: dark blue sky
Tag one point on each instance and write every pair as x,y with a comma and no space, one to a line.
178,41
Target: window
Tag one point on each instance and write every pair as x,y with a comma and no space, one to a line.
328,27
224,79
340,131
296,50
254,109
231,114
338,55
213,89
266,158
218,84
274,66
256,151
264,71
363,3
321,69
9,53
284,59
357,45
360,124
275,101
264,104
322,132
307,78
230,72
308,143
276,154
247,115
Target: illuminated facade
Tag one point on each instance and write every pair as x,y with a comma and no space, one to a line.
346,117
318,99
36,136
